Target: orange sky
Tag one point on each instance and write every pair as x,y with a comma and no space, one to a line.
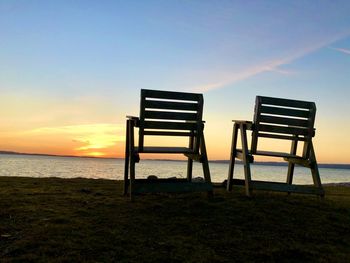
71,72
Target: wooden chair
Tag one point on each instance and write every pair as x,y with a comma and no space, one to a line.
277,119
167,113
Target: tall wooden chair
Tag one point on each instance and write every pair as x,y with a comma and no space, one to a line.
277,119
167,113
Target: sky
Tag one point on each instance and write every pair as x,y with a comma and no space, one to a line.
70,71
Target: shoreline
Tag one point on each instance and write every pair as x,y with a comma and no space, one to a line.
339,184
267,163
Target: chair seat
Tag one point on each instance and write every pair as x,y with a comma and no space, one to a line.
274,154
164,150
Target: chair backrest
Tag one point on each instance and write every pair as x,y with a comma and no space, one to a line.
169,113
285,119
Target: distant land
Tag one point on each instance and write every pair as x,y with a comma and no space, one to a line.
320,165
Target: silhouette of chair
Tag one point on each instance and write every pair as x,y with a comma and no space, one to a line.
167,113
277,119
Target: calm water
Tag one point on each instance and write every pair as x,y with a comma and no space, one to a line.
66,167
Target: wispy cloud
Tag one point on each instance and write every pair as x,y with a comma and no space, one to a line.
342,50
274,65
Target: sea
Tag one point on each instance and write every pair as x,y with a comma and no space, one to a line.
99,168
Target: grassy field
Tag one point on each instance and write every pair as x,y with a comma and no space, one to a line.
82,220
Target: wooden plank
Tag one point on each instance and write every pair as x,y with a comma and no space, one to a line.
285,112
173,95
167,133
175,150
277,154
170,125
299,161
286,102
171,105
170,115
283,187
283,130
158,186
283,137
284,121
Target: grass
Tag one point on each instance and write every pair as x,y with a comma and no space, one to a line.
84,220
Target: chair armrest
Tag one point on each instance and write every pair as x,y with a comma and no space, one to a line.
134,120
249,124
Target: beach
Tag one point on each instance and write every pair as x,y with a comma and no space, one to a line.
55,220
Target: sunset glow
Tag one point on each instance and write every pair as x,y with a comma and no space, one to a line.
71,72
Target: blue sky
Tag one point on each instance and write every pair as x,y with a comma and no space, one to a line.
66,63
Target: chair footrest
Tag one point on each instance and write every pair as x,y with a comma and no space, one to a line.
302,162
142,186
164,150
284,187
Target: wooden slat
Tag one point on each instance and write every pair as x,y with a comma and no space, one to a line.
284,121
282,130
286,102
167,133
239,155
284,112
169,125
170,105
171,95
175,150
170,115
277,154
283,137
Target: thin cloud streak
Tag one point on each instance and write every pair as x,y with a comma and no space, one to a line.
342,50
273,65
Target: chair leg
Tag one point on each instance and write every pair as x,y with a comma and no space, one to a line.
205,163
291,165
246,163
290,172
127,160
314,170
126,175
132,177
133,159
190,162
232,158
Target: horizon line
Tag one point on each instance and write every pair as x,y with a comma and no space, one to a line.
155,159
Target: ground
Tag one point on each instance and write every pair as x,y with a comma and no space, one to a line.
85,220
